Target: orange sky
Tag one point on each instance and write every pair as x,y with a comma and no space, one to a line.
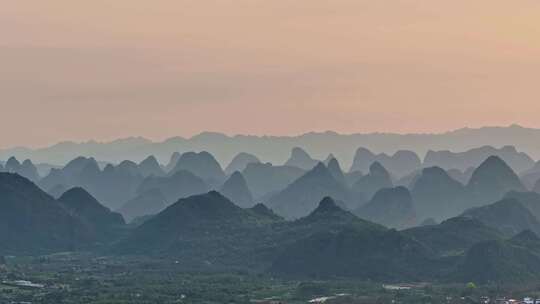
103,69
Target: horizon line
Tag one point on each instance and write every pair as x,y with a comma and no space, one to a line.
232,136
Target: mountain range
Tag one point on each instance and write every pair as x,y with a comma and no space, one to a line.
391,217
276,149
210,232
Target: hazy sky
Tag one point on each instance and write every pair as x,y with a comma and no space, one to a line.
105,69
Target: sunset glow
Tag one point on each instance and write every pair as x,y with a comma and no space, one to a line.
79,70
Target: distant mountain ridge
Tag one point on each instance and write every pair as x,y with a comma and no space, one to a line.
276,149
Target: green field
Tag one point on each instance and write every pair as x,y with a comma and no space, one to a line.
81,278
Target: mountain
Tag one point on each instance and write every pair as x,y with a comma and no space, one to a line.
530,176
501,262
32,222
150,166
179,185
491,181
267,179
408,181
240,162
29,170
377,179
235,189
57,191
461,176
327,215
344,246
300,159
43,169
335,169
390,207
172,161
77,165
518,161
276,149
26,169
508,216
203,230
400,163
209,231
436,195
111,186
12,165
149,202
302,196
453,236
265,212
203,165
352,177
71,175
363,159
97,218
530,200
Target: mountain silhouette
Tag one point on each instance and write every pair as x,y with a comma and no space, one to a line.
27,169
203,165
179,185
491,181
150,166
13,165
518,161
454,235
267,179
99,219
276,149
342,245
530,200
300,159
57,191
400,163
508,216
377,179
172,161
235,189
240,162
530,176
149,202
390,207
71,175
302,196
264,212
409,180
76,166
32,222
499,262
461,176
352,177
363,160
201,229
335,169
113,186
436,195
328,212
